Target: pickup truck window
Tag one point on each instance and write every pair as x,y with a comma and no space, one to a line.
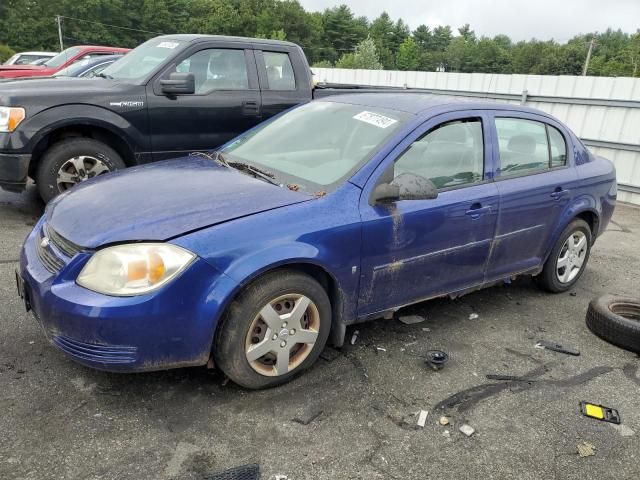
138,63
318,145
279,71
450,155
217,69
523,146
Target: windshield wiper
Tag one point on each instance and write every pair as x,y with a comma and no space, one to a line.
243,167
258,173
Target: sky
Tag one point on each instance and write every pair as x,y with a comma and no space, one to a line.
519,19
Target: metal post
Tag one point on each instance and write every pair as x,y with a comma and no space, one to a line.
586,63
59,20
523,98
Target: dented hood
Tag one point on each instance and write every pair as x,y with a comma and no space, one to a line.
161,201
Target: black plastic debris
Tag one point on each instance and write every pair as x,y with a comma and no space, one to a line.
330,354
556,347
308,416
436,359
243,472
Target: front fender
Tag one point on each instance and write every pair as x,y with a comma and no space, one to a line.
36,128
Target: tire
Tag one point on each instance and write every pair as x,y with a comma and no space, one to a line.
616,320
233,343
61,154
549,279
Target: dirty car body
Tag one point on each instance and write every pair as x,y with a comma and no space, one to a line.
502,183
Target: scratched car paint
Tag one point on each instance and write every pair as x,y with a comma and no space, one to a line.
338,211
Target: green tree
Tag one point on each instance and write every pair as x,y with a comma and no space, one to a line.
342,31
408,57
365,57
5,53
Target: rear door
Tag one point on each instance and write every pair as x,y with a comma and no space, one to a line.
535,178
415,249
226,101
283,80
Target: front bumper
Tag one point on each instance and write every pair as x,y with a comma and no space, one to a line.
14,169
170,328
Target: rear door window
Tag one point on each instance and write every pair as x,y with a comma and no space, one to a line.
279,71
523,146
558,147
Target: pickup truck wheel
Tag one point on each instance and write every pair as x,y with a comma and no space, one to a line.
568,259
73,161
274,330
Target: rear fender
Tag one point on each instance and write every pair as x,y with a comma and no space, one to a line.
580,205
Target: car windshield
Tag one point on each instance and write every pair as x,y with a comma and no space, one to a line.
62,57
73,69
318,145
142,60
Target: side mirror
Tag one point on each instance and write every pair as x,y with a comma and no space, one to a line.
179,83
406,186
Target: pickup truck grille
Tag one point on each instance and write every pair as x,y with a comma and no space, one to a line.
48,255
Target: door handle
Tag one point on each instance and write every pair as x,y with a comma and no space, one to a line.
558,193
250,107
477,210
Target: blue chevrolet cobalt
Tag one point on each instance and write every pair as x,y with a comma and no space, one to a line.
335,212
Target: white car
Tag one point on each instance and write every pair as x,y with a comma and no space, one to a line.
26,58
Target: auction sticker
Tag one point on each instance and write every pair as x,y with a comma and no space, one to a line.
376,119
170,45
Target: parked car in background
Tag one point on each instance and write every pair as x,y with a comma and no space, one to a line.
26,58
336,212
88,68
60,61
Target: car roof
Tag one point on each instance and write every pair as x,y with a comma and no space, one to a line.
419,103
53,54
186,37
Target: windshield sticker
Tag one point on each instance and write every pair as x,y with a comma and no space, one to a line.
376,119
170,45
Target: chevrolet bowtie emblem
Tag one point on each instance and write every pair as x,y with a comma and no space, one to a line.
44,243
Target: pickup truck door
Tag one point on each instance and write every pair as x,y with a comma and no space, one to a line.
226,101
284,78
416,249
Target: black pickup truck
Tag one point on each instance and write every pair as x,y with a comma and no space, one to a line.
170,96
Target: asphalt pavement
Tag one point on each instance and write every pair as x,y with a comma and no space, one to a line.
59,420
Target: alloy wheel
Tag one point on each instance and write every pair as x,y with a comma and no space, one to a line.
79,169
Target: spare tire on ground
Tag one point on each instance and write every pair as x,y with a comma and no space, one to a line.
616,320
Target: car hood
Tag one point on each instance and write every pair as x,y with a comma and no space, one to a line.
4,68
161,201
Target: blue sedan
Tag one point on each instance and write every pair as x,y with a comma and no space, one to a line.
335,212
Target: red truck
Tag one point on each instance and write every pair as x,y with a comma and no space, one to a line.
60,61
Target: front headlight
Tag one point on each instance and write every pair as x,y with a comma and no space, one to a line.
10,118
133,269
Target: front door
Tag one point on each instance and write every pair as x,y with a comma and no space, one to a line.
226,102
416,249
536,182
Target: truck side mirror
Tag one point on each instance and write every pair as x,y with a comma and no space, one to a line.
179,83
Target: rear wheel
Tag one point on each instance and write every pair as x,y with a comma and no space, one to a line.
274,330
568,259
73,161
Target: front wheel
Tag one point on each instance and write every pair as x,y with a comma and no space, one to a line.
274,330
73,161
568,259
